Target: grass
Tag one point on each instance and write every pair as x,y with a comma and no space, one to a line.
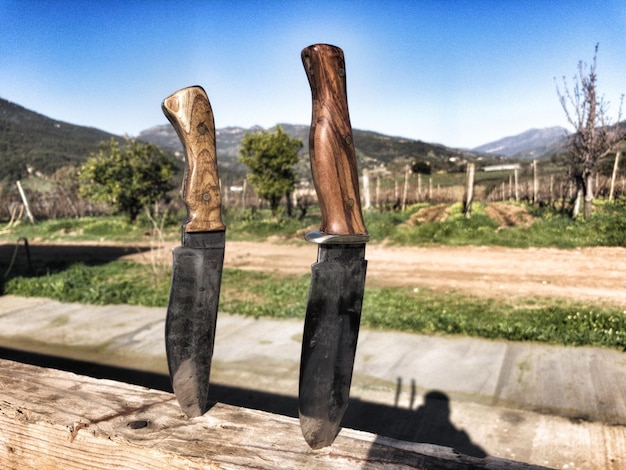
110,228
546,320
550,229
118,282
417,310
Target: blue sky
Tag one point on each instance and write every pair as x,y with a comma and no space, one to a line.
460,73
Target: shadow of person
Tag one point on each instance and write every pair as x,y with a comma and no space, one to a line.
432,425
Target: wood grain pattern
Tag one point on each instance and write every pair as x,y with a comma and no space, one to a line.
50,419
333,158
190,113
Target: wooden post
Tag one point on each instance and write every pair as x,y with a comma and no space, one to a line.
614,175
516,185
405,189
366,189
430,189
419,186
378,191
535,183
243,194
225,190
469,190
551,188
29,214
510,195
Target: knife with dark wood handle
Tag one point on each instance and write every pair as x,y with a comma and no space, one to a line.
333,312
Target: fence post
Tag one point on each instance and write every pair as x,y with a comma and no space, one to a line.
419,186
614,175
469,191
535,184
405,189
25,201
243,194
366,188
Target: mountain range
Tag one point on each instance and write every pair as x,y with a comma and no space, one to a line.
374,150
534,143
33,143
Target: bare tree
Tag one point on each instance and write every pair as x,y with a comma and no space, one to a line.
594,136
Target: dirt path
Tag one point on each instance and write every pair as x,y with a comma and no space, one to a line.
580,274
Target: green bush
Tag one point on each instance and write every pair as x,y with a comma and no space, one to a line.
381,225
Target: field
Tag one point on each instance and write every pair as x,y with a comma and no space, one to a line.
456,281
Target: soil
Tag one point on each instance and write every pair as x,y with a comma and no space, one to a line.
508,215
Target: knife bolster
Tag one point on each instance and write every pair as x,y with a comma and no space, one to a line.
323,238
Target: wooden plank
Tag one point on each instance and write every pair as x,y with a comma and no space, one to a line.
58,420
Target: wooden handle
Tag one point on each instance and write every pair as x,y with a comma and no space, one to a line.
190,113
333,159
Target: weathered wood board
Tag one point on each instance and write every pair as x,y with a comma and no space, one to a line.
51,419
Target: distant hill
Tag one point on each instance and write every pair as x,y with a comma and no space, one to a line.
32,142
373,149
534,143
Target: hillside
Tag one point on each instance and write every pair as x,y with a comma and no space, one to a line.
32,142
534,143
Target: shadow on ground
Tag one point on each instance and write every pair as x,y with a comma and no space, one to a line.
429,423
24,259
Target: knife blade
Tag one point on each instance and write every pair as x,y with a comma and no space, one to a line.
333,312
198,262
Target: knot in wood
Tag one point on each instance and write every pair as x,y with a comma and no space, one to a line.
138,424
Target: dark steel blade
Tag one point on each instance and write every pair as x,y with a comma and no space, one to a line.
191,317
331,330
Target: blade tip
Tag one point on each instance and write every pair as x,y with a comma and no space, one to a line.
193,409
318,433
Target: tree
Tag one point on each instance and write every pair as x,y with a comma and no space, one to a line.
421,166
129,178
593,137
271,158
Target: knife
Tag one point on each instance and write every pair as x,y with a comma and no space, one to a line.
333,312
198,262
